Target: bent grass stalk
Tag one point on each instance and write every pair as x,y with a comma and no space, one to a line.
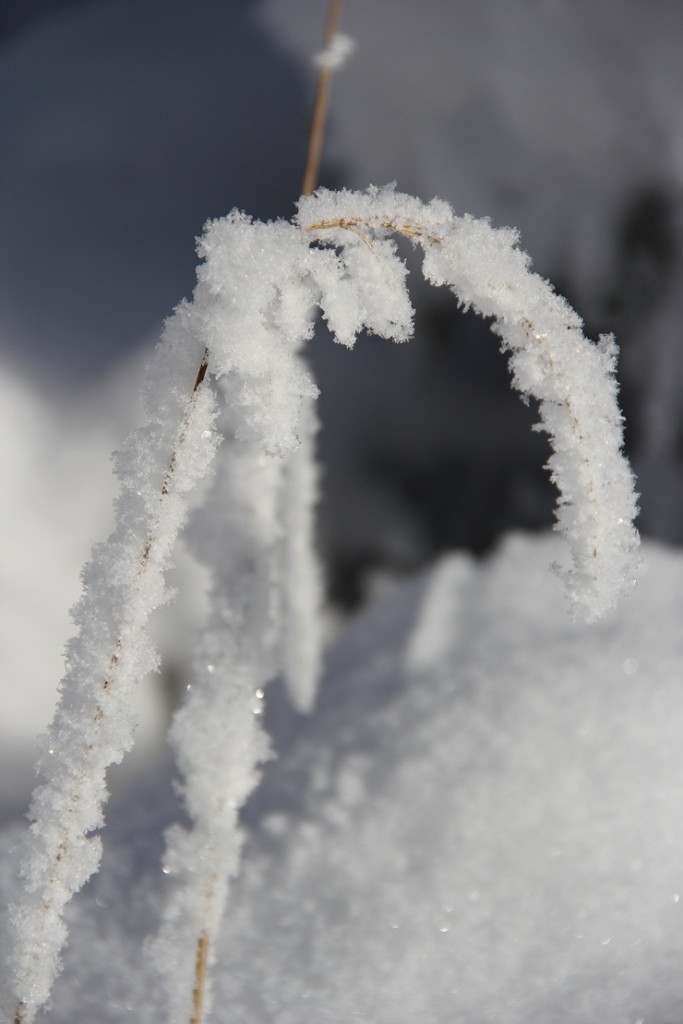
549,356
250,316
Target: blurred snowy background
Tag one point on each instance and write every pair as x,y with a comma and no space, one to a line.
125,125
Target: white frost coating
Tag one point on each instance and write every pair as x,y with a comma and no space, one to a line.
575,385
336,53
251,313
93,726
256,305
551,360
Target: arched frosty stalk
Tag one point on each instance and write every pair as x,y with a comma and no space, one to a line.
250,315
572,379
265,278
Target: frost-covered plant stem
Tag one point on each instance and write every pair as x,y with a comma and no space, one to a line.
572,379
260,622
217,735
93,726
251,313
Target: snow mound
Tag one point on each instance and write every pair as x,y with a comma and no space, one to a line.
481,821
486,818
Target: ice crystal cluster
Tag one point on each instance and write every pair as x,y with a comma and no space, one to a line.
229,377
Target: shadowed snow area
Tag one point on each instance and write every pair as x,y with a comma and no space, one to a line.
481,822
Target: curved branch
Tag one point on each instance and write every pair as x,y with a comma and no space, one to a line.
572,378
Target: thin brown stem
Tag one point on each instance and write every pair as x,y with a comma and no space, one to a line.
357,224
200,968
322,96
201,372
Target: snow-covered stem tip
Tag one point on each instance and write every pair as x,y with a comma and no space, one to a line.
572,379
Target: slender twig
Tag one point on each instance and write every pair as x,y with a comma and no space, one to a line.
356,224
322,96
316,134
200,968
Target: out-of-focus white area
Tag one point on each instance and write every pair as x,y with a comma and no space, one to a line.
482,820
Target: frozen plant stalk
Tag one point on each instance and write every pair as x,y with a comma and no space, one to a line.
93,727
251,313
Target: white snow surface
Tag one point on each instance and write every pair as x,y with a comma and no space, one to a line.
481,821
